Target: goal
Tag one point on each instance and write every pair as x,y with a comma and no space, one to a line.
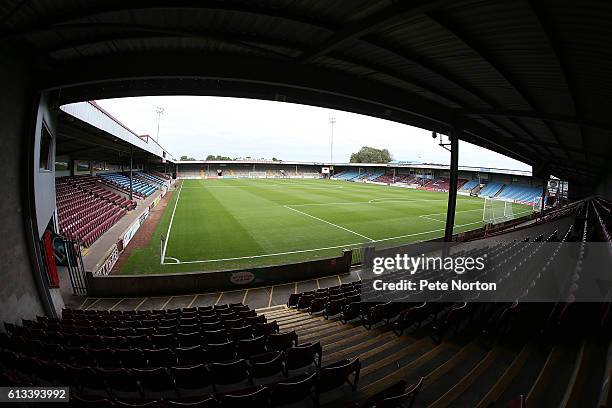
496,211
257,174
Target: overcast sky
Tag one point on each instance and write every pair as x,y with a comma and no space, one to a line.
197,126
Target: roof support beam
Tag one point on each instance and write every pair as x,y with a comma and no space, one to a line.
146,31
549,117
73,13
444,23
553,42
438,70
253,77
141,31
398,12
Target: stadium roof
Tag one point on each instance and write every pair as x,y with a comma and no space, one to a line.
89,132
528,79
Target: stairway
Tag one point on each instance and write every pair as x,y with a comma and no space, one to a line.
458,372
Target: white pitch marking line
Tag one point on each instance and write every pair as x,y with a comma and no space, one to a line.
372,201
456,212
431,219
325,248
246,292
330,223
219,298
397,199
274,254
176,261
170,225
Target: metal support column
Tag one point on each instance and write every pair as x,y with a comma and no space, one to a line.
452,187
131,158
543,203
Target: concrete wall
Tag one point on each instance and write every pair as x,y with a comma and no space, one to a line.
44,180
202,282
605,186
19,292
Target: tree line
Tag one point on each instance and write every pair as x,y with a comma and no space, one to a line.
371,155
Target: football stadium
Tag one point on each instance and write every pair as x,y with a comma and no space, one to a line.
325,217
464,261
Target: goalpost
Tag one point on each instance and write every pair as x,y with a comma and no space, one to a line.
496,211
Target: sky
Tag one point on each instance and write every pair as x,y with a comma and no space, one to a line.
197,126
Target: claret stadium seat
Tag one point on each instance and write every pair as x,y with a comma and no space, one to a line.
267,364
282,341
302,356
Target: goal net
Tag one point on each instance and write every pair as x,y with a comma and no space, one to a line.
257,174
496,211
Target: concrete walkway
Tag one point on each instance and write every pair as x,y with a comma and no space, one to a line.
256,298
96,253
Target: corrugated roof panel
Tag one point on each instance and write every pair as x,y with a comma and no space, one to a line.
429,41
541,56
517,43
412,71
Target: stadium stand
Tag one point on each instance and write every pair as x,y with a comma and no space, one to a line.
520,193
85,210
371,176
499,353
385,178
144,189
225,354
491,189
468,186
332,347
347,175
151,178
527,79
406,179
442,184
160,175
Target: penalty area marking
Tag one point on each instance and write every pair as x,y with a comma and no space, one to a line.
321,249
238,258
330,223
428,216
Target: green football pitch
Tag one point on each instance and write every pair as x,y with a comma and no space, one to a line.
237,223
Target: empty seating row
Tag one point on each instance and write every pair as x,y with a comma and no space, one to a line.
123,181
470,185
140,353
347,175
185,384
521,193
68,187
86,211
441,184
490,189
153,178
